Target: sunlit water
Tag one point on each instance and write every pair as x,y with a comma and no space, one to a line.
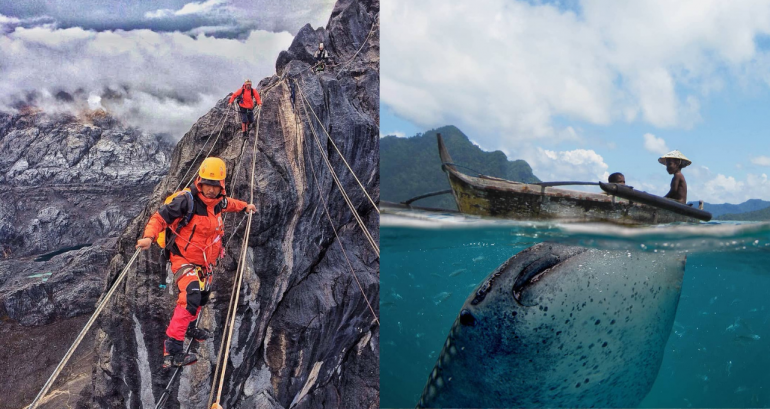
717,355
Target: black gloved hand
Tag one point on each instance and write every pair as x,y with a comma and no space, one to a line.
205,297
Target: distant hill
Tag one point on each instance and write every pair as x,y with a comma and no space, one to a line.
750,205
756,215
411,166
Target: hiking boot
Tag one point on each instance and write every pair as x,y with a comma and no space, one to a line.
245,134
198,334
180,359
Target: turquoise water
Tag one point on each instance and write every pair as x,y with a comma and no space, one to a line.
718,352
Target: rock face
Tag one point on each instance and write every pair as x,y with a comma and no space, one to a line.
66,182
304,336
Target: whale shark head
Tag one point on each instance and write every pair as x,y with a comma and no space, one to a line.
560,325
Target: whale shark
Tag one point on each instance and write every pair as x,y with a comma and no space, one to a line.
560,326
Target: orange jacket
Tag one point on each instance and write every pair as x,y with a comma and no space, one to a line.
247,101
200,241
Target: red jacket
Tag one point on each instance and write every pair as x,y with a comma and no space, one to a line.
247,100
200,241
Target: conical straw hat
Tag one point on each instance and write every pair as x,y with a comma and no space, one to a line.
675,154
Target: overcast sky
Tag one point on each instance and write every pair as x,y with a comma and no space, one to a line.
581,89
158,65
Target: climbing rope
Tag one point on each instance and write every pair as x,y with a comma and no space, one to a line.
192,164
337,181
302,94
235,114
230,322
167,391
371,30
334,229
90,322
103,302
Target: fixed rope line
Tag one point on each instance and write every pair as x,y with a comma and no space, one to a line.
192,164
229,312
238,167
90,322
226,341
334,229
338,150
339,184
167,392
235,114
371,30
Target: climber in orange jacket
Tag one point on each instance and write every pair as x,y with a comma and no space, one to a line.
246,96
194,248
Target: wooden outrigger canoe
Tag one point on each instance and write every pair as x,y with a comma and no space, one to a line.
489,196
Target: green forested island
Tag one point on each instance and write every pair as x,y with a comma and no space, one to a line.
411,166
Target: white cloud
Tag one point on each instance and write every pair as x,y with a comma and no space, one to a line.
159,82
188,9
761,161
397,134
8,20
497,67
575,165
655,145
723,189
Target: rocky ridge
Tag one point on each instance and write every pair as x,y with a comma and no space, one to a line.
70,186
304,336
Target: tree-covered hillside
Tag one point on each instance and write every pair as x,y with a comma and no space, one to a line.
411,166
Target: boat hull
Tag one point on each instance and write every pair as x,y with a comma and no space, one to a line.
482,197
493,197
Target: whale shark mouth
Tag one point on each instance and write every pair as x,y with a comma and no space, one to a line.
532,264
535,270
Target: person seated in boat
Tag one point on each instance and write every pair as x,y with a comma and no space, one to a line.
675,161
618,178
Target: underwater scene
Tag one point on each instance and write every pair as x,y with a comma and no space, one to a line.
638,345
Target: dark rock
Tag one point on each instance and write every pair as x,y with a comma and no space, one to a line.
304,335
68,181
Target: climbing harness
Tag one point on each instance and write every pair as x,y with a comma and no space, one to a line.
99,308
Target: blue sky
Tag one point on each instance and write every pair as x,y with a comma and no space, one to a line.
584,88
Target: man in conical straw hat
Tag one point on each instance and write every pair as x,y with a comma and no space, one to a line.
675,162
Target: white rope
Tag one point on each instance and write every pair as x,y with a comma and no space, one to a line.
340,153
334,229
226,341
337,181
90,322
192,164
371,30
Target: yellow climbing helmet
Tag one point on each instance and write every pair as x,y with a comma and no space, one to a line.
213,169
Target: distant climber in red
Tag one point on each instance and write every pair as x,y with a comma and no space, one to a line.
246,97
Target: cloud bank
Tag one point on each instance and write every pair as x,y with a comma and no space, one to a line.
499,67
159,82
221,18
